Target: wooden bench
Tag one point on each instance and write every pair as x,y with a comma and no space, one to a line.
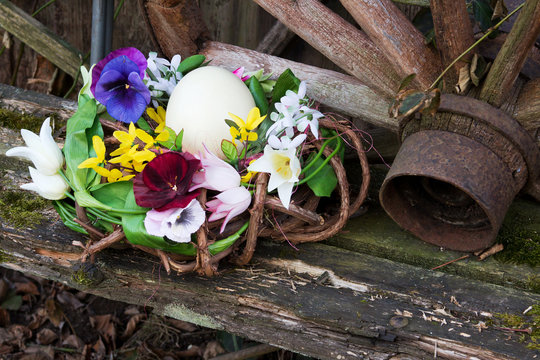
367,293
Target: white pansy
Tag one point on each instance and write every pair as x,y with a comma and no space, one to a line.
176,224
52,187
284,169
41,150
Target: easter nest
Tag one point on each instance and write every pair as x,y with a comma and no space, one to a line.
193,163
305,220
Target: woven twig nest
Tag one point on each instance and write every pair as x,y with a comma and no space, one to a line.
267,217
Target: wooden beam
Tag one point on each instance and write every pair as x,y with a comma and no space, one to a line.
40,38
397,38
277,38
345,94
338,40
321,301
454,34
510,60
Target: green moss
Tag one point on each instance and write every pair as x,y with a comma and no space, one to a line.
17,121
20,208
521,239
86,274
530,321
5,257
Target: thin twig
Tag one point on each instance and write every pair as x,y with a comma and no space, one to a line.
492,29
450,262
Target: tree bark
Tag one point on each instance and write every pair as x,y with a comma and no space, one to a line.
513,54
346,46
454,35
397,38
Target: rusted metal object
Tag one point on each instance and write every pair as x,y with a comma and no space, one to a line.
455,177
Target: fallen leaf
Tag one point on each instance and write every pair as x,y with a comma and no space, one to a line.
104,326
46,336
464,80
4,287
67,298
100,349
54,313
26,288
499,10
73,341
4,318
132,325
182,325
213,349
12,302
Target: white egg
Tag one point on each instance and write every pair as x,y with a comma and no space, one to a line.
200,103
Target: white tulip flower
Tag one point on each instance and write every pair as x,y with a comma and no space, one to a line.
284,169
52,187
41,150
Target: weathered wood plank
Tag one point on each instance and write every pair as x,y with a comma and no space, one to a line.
283,299
39,38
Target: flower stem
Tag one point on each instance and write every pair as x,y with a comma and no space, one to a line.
473,46
336,150
319,154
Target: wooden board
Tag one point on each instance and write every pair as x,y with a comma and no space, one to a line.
325,301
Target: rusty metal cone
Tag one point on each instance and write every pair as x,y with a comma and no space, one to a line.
448,190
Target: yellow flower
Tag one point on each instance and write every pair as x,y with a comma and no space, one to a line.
99,148
158,117
244,132
127,140
113,175
134,159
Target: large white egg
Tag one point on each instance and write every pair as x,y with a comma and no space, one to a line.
200,103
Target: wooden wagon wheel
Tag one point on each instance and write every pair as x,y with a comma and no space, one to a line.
386,50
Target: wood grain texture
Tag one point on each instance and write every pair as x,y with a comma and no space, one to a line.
40,38
343,93
527,111
454,34
341,42
510,60
397,38
278,299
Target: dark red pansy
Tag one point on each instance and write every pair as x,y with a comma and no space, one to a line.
165,181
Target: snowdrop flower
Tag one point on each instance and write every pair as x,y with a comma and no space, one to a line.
284,169
216,174
177,224
293,99
285,142
283,121
162,76
228,204
41,150
52,187
309,118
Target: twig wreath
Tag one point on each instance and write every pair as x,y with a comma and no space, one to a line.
189,162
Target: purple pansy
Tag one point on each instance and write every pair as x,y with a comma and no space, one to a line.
165,181
117,83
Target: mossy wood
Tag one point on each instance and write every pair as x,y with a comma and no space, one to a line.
334,300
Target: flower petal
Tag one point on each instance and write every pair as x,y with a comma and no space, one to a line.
285,192
126,106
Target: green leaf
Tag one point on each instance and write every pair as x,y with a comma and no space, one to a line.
325,181
411,102
172,140
85,199
143,125
113,194
13,302
191,63
482,12
231,124
229,150
405,82
286,81
76,146
133,226
178,141
258,94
